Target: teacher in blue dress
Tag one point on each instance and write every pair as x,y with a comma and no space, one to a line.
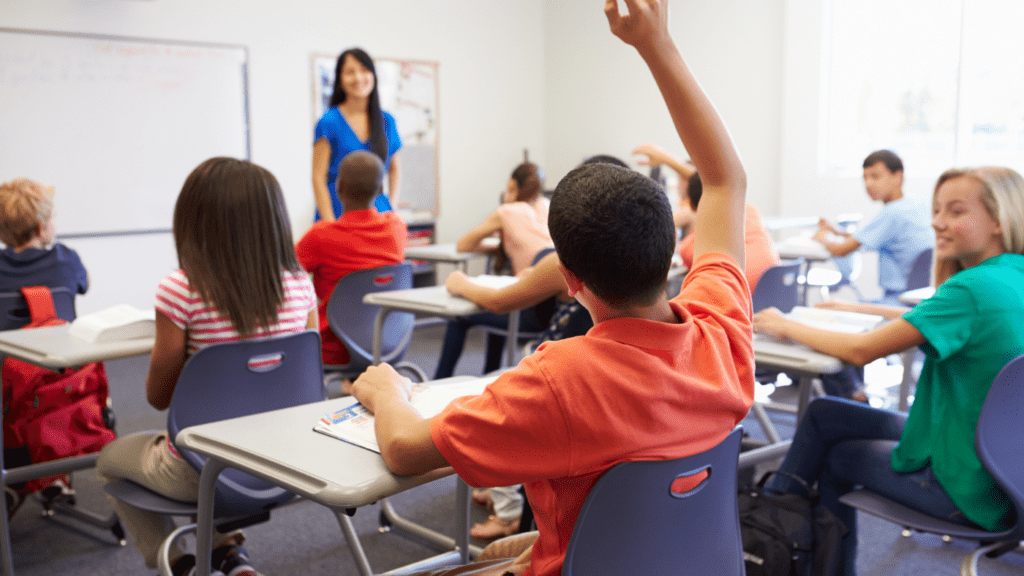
354,121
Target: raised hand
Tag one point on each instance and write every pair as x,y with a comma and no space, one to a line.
646,25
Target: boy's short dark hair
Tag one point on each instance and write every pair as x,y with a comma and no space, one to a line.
612,228
604,159
887,157
360,177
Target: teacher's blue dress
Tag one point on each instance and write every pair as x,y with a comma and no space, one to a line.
339,134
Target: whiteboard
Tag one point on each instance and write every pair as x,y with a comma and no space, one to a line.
116,124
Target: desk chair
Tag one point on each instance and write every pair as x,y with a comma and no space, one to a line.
352,321
920,271
633,522
998,441
14,310
225,381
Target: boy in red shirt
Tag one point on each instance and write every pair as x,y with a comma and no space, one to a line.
653,379
360,239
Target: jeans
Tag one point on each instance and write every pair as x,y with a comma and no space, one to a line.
842,444
455,339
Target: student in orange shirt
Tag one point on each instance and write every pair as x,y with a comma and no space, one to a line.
570,410
360,239
761,252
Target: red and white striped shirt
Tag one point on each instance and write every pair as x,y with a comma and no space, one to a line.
204,325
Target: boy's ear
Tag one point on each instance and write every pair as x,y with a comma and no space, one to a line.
574,283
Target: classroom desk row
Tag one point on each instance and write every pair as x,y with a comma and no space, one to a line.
282,448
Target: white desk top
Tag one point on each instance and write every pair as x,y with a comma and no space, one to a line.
791,357
431,299
52,347
802,247
281,447
916,296
446,252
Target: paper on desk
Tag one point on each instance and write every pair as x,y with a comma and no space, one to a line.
353,423
492,281
121,322
835,320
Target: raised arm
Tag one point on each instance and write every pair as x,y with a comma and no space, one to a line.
658,156
539,283
702,131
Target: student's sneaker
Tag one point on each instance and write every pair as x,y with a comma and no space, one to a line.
232,561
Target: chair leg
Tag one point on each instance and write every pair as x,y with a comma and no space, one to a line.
163,560
413,369
354,545
766,423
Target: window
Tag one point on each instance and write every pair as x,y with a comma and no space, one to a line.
941,82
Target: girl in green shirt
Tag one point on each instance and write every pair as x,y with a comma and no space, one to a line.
968,331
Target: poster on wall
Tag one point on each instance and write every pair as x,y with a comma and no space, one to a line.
408,90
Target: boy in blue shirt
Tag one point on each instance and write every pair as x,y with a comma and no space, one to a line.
899,233
26,227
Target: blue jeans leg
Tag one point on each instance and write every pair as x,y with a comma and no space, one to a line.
455,339
841,444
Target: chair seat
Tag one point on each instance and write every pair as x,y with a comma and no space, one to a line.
145,499
882,507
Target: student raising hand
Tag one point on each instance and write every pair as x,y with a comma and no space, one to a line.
646,25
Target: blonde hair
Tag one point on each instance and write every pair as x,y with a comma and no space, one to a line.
24,205
1003,197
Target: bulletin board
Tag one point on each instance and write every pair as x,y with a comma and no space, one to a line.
116,124
408,90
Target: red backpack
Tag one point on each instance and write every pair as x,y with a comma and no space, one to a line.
53,414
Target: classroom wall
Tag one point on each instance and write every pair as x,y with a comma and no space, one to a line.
600,98
491,58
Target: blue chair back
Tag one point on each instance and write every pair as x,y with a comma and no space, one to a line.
14,312
998,437
235,379
352,321
632,522
920,274
779,286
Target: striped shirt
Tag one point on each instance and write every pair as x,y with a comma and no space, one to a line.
204,325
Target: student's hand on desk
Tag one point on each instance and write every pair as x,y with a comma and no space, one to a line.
646,25
456,282
771,322
380,383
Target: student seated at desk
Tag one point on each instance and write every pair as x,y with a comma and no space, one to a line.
900,232
522,222
26,227
570,411
760,250
239,278
361,238
970,328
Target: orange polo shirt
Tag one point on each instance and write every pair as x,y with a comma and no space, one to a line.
760,253
630,389
358,240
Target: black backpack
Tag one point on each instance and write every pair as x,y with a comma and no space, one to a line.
789,534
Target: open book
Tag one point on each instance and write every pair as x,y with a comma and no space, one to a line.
835,320
353,423
121,322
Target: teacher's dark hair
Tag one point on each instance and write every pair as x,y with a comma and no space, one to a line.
378,135
234,240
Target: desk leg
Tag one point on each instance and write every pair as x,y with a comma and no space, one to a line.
907,357
806,384
378,333
204,515
462,499
6,559
513,337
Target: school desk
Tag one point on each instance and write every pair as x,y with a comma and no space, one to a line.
53,348
446,253
282,448
916,296
436,301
